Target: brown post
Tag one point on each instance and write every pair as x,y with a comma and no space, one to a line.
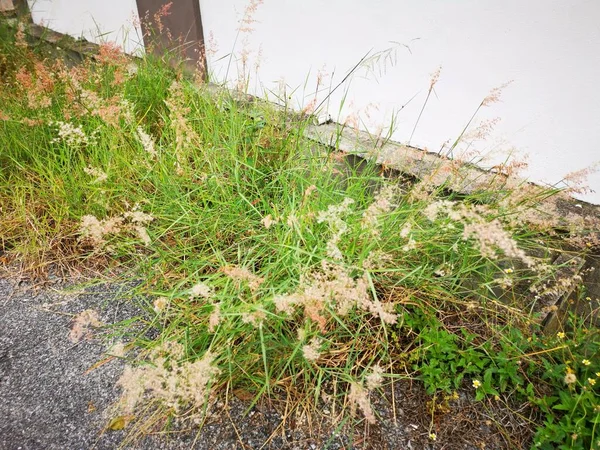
174,27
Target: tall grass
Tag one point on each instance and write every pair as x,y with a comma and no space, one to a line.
272,264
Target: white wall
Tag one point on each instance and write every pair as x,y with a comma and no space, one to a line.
549,48
96,20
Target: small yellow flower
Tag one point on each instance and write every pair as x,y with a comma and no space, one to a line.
592,381
432,436
476,384
586,362
560,335
509,270
589,299
598,374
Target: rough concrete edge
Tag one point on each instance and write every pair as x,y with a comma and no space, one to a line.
554,303
6,6
463,178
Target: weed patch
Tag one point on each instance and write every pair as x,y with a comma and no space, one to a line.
273,266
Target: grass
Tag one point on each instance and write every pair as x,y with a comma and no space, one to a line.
270,265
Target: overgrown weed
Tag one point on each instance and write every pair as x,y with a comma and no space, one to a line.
271,268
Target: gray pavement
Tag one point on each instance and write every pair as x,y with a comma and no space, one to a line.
47,400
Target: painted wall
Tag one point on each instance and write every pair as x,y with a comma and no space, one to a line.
549,49
96,20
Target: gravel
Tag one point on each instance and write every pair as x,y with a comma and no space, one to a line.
47,399
55,395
